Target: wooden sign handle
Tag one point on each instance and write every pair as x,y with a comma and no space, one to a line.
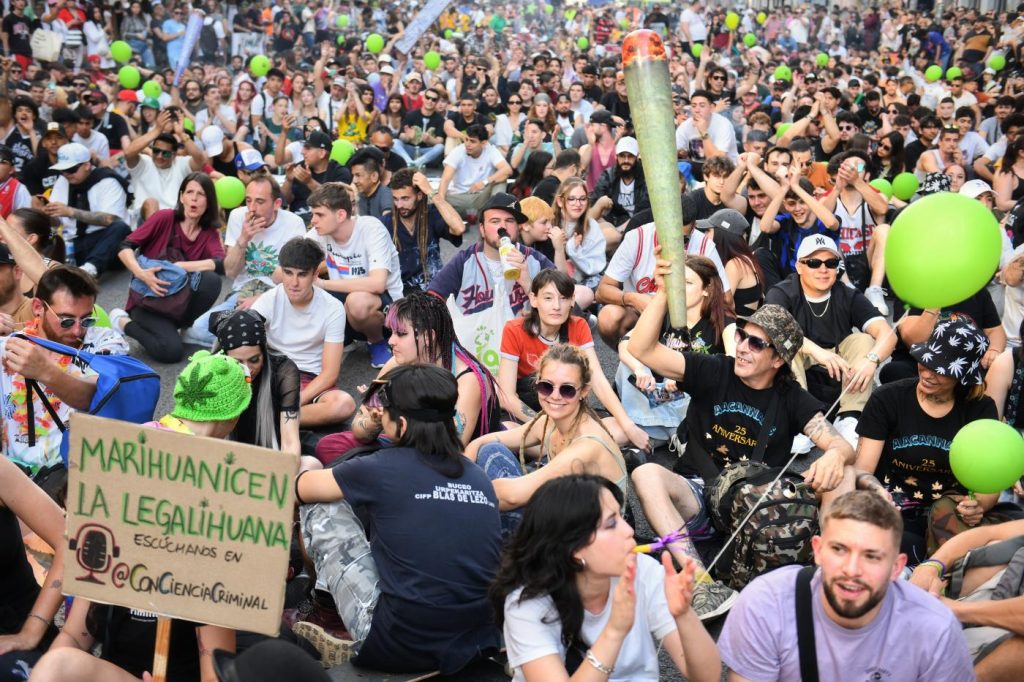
163,644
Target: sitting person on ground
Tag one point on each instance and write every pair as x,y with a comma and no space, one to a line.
474,274
363,268
827,310
620,193
566,165
473,173
656,404
584,241
13,194
860,610
272,418
727,229
1004,383
306,324
62,312
572,596
156,176
905,434
729,400
414,597
255,234
536,233
91,204
178,249
32,238
121,631
422,332
981,568
418,223
525,340
26,629
315,170
15,307
375,198
568,431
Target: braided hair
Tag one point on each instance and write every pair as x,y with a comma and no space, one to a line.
402,179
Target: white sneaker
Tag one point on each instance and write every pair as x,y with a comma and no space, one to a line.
801,444
91,269
847,428
118,318
877,297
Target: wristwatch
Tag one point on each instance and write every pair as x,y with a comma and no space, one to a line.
873,357
704,136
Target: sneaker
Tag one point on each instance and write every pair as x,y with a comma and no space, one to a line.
712,599
847,428
877,297
333,650
91,269
380,353
118,318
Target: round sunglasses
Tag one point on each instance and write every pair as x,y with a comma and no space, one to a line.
566,391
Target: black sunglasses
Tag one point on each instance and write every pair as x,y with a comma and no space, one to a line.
756,343
718,78
431,99
566,391
164,153
815,263
68,321
71,171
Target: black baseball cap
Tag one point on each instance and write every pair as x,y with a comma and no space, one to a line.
6,154
5,256
319,140
603,116
505,202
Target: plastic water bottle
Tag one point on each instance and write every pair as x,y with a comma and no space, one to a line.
505,247
69,250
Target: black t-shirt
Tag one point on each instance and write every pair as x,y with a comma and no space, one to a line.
21,145
409,247
460,122
132,641
616,107
284,395
20,31
301,192
725,415
113,127
416,119
828,322
705,209
912,152
37,176
433,580
914,464
394,162
979,309
546,189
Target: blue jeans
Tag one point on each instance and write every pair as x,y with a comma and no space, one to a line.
141,47
497,461
100,247
418,156
199,333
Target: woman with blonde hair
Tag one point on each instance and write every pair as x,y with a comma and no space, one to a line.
585,244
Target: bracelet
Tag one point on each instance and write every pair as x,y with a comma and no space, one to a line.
623,299
38,617
298,498
936,564
592,660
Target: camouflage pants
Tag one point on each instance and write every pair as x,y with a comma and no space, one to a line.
337,544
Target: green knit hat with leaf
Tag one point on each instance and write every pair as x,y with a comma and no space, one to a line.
212,388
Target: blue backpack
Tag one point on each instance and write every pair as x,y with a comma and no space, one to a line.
126,389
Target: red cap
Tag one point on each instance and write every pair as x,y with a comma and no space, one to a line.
128,96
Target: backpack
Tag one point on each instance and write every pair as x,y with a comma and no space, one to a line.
208,41
126,389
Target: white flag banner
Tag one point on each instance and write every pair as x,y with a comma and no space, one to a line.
420,23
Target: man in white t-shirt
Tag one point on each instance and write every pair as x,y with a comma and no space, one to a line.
85,134
216,112
157,176
706,134
362,265
256,233
307,324
692,25
473,172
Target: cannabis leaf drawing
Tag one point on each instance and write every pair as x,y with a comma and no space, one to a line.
193,389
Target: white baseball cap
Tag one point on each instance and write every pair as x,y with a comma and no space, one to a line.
817,242
627,145
386,69
213,140
975,188
71,155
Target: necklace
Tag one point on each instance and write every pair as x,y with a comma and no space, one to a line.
827,304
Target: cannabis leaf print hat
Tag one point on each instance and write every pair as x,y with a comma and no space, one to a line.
212,388
954,349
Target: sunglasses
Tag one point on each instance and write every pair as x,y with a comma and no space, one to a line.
755,343
68,321
847,127
162,153
430,99
71,171
566,391
884,147
815,263
717,78
383,150
517,102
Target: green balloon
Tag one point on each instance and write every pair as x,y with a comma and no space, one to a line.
152,89
230,192
696,49
342,151
447,34
954,72
121,51
822,59
549,9
883,186
188,125
987,456
582,43
341,40
783,73
942,249
933,73
750,40
531,8
375,43
761,18
343,20
432,60
732,21
129,77
624,24
259,65
102,319
905,186
781,129
997,62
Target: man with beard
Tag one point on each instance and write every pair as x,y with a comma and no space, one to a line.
620,192
860,611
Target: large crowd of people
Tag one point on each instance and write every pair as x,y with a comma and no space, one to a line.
473,500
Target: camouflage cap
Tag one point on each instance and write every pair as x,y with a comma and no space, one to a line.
782,330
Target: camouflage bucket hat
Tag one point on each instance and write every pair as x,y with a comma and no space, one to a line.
782,330
954,349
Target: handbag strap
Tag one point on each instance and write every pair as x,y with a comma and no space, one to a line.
805,625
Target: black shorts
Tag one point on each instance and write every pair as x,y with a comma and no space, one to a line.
350,333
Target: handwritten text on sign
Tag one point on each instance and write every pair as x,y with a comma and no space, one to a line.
176,524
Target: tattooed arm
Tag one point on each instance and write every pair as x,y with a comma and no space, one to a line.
290,432
827,471
208,639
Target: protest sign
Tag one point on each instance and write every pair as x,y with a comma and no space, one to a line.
420,23
179,525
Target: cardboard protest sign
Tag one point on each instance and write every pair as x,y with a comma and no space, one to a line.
179,525
420,23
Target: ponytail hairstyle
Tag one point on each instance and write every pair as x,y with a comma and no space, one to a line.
566,288
714,305
567,354
560,198
48,243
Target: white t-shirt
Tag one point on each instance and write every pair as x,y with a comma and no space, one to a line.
261,254
633,262
721,132
300,333
468,170
148,181
532,628
97,144
369,248
695,23
226,114
106,196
